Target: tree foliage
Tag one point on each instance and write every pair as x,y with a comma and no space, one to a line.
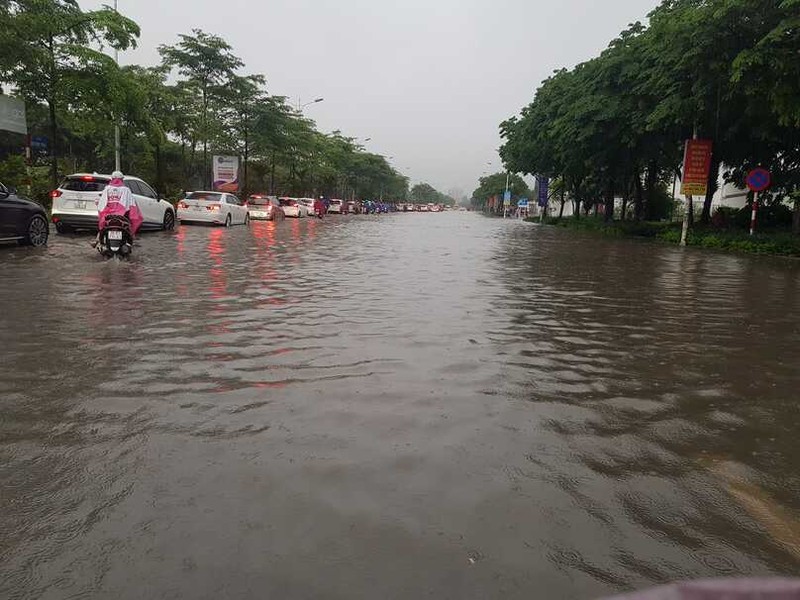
173,116
425,193
614,126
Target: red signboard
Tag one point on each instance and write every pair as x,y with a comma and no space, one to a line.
696,166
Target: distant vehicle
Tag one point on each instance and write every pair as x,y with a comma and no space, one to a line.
352,208
75,203
216,208
308,203
265,208
435,208
337,207
292,207
21,220
422,208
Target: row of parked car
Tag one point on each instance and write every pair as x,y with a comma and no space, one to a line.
74,207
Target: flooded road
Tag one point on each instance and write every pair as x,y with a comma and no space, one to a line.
408,406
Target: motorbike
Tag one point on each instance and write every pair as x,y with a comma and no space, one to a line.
116,238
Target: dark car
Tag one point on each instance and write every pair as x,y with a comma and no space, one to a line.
21,220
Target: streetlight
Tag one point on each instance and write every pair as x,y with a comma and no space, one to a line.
302,106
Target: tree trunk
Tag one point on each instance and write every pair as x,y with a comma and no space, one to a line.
53,143
206,178
245,156
191,173
608,203
563,200
796,215
159,172
713,178
51,105
272,176
651,182
691,211
638,198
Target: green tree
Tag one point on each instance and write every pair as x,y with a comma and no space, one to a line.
495,185
52,52
241,105
207,63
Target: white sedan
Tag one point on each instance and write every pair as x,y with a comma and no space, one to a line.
292,207
216,208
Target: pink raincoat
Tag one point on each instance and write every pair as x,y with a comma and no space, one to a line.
117,199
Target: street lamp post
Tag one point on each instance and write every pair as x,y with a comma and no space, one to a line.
301,106
117,160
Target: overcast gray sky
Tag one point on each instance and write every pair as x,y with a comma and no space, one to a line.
428,80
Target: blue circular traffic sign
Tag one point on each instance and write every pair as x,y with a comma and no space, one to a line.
758,179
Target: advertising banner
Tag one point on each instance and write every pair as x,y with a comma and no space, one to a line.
226,174
544,189
12,115
696,167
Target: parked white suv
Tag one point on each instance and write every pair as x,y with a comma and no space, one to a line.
337,207
75,203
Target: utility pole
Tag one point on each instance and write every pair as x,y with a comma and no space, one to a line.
689,200
117,161
505,208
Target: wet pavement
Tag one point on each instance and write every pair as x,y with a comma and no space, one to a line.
403,406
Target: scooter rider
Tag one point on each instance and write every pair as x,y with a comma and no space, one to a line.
115,191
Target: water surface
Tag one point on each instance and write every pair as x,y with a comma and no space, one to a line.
401,406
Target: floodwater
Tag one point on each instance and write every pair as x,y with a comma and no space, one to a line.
404,406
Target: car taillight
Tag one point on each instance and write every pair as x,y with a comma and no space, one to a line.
183,205
56,194
213,207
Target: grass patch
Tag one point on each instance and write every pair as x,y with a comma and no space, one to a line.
779,242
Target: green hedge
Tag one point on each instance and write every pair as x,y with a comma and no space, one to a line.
777,242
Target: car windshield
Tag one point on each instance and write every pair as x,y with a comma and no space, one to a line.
336,201
210,196
258,201
288,202
84,184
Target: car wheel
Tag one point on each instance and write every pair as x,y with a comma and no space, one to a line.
62,228
228,221
38,231
169,221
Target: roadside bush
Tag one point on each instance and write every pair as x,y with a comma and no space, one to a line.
13,172
779,243
770,216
